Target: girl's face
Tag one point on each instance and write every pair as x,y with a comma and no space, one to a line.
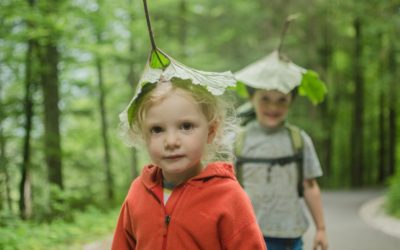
176,133
271,107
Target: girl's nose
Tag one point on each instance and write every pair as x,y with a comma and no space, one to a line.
172,140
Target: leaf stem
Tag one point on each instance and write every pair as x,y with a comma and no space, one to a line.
151,35
288,20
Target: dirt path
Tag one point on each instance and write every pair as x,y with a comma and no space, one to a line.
346,229
103,244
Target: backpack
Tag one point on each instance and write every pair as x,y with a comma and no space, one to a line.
297,144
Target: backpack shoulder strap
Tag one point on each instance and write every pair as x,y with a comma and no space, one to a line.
297,143
239,142
295,136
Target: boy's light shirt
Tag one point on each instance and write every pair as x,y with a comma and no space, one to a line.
278,208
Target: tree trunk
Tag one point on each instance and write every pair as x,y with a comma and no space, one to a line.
382,140
328,115
104,127
2,153
2,165
4,180
25,201
25,197
392,140
183,27
50,85
4,170
393,96
132,81
357,131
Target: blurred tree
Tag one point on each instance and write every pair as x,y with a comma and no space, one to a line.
99,29
3,167
357,140
49,60
25,200
132,75
382,153
393,107
382,140
325,54
6,172
183,31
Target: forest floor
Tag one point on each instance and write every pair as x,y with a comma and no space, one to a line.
102,244
354,219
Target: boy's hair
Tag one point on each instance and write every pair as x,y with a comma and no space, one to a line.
215,109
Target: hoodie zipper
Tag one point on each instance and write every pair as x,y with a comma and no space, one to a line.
167,217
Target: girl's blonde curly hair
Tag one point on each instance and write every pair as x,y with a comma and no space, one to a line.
217,109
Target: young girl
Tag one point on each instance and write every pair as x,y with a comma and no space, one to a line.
183,200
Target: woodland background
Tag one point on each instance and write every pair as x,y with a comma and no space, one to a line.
68,67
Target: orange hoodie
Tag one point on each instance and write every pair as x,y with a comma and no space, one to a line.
209,211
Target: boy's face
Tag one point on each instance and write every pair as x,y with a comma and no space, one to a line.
176,132
271,107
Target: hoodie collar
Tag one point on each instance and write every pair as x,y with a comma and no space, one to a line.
152,174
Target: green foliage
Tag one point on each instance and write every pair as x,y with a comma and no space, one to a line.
393,197
64,203
312,87
58,235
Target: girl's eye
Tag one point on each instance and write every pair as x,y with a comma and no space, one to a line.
187,126
156,130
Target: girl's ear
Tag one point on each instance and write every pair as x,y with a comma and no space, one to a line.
212,131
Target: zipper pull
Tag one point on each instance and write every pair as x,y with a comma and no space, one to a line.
167,219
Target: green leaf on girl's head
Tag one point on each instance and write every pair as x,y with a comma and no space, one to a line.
144,88
158,60
312,87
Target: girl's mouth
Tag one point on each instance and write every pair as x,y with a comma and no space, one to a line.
173,157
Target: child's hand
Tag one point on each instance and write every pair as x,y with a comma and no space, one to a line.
320,240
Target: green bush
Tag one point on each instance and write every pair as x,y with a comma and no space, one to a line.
393,198
59,234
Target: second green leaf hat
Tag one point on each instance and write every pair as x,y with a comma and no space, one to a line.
271,73
274,72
